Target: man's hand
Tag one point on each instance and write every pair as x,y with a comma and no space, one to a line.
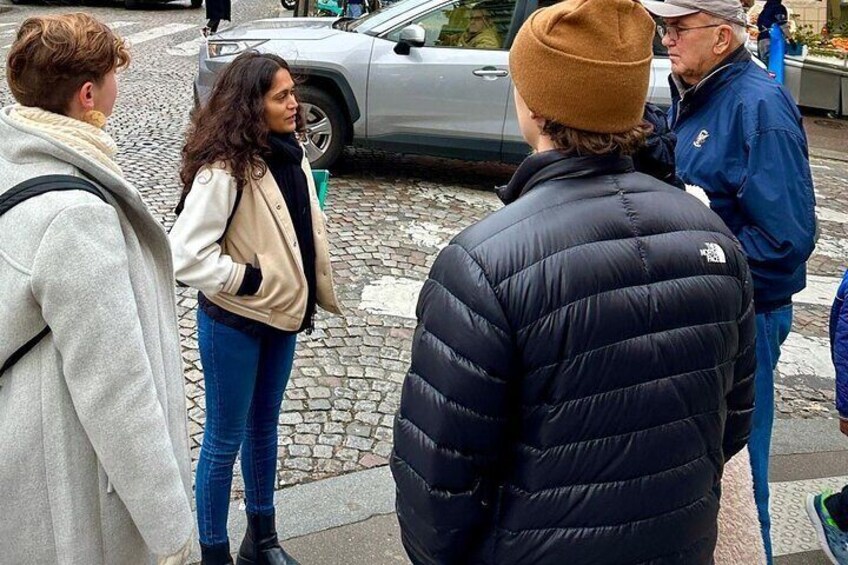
843,426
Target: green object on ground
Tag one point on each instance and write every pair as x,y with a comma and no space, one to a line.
322,184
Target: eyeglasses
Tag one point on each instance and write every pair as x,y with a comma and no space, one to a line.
673,32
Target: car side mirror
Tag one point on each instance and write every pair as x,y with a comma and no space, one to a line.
411,36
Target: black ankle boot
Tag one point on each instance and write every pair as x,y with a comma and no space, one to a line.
260,545
218,554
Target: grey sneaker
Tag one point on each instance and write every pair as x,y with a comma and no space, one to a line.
834,542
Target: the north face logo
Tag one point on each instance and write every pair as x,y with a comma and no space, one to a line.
713,253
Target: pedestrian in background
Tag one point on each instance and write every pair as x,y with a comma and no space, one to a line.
95,464
828,511
583,363
747,153
251,239
354,8
216,10
773,12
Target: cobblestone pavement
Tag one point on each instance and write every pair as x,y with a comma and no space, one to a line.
388,217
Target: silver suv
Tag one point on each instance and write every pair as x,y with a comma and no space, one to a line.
419,76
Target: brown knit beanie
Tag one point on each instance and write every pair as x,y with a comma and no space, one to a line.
586,64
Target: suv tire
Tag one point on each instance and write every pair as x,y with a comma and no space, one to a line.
196,4
326,126
289,4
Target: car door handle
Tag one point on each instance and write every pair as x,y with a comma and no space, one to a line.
490,73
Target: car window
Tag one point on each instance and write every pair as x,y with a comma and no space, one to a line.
383,15
465,24
659,49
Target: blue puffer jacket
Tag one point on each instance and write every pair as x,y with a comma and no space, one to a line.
739,138
839,346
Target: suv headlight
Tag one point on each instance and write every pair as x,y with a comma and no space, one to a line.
220,48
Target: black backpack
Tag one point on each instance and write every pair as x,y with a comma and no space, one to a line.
22,192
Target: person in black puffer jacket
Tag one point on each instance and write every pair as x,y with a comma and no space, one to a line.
583,363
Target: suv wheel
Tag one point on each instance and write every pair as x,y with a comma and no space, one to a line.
326,127
288,4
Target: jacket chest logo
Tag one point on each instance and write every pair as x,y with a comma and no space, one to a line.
703,135
713,253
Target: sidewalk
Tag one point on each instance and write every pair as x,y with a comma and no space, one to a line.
349,519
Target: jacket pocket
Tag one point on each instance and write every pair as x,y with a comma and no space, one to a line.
494,534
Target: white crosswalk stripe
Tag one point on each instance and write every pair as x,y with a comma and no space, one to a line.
820,291
157,32
802,355
829,215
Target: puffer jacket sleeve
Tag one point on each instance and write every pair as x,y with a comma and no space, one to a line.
740,397
449,432
198,259
839,347
656,157
80,277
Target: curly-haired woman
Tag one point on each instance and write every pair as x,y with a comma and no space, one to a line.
251,238
95,465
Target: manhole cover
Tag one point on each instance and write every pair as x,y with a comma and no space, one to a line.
832,124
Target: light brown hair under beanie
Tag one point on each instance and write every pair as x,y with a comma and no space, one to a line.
586,64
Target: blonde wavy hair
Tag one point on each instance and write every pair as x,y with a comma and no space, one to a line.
53,56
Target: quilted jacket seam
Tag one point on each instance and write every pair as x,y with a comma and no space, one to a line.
629,339
470,309
628,524
626,388
475,366
614,436
619,289
456,403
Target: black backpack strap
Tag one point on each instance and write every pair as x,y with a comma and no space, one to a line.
232,215
47,183
23,192
24,349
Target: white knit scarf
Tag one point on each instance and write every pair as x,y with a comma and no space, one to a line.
83,138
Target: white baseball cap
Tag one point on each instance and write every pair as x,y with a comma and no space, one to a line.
728,10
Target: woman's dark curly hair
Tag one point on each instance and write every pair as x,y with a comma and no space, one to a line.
231,126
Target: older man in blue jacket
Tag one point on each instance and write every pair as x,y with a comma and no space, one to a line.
740,139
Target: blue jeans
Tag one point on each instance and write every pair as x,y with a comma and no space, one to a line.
772,329
245,378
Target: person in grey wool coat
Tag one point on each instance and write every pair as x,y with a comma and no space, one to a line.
95,466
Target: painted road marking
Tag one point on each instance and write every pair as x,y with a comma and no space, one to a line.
157,32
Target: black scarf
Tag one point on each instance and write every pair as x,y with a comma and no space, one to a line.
284,161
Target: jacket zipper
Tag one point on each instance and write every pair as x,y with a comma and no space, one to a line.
694,89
